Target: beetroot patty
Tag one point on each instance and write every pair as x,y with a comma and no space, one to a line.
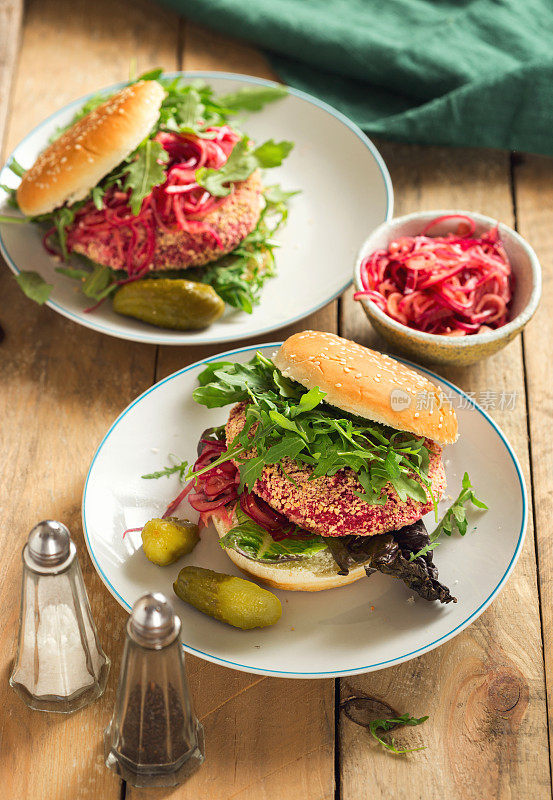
231,222
328,505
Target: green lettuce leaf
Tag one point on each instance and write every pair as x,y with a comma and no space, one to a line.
251,540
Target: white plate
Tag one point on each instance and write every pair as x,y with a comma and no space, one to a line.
320,634
345,193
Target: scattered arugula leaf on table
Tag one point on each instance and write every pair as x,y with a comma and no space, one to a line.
387,724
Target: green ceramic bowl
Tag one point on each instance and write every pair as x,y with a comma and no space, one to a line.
459,350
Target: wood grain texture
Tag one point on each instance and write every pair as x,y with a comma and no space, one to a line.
534,205
60,388
11,15
484,690
266,738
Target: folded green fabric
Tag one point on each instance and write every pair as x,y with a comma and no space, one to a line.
455,72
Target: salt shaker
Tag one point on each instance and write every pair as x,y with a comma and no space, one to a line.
154,737
60,665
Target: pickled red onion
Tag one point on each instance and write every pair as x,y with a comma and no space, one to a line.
453,285
177,204
218,489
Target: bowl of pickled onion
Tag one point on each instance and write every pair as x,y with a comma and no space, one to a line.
451,287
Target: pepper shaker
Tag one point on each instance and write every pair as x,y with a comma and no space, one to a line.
60,665
154,737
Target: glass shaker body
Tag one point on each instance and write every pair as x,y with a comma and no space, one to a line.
60,665
154,738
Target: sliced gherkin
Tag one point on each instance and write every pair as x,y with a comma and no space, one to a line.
164,541
170,303
235,601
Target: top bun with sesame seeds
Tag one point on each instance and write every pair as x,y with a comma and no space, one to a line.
368,384
72,165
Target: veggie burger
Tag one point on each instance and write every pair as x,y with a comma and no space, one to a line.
156,179
326,465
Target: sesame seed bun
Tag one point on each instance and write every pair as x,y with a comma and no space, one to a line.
308,575
369,384
72,165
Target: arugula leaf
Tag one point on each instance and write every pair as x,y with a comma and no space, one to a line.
240,164
97,195
150,75
393,722
34,286
14,166
252,98
311,399
72,272
239,277
145,171
179,469
289,447
190,109
62,218
276,194
6,218
455,516
363,711
271,153
254,542
99,283
250,472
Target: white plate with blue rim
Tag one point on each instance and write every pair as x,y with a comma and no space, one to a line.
345,192
371,624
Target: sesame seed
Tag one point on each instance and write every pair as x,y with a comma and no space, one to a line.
337,385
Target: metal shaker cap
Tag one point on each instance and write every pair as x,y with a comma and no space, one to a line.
153,622
49,547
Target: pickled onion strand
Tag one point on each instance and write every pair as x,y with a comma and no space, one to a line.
133,237
438,284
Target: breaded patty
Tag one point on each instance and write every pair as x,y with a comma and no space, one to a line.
328,505
231,222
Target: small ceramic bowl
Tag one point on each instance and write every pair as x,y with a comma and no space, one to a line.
458,350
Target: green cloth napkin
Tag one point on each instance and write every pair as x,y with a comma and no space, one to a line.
454,72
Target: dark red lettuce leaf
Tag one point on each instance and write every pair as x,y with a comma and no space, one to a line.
389,553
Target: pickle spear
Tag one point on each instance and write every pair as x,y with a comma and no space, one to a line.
240,603
170,303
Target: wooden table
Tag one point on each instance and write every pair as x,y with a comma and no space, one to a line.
61,386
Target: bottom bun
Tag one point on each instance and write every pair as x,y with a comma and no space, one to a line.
308,575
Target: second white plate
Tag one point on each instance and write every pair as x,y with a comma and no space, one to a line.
346,192
373,623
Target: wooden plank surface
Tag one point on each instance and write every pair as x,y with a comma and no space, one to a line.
534,207
484,690
60,387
